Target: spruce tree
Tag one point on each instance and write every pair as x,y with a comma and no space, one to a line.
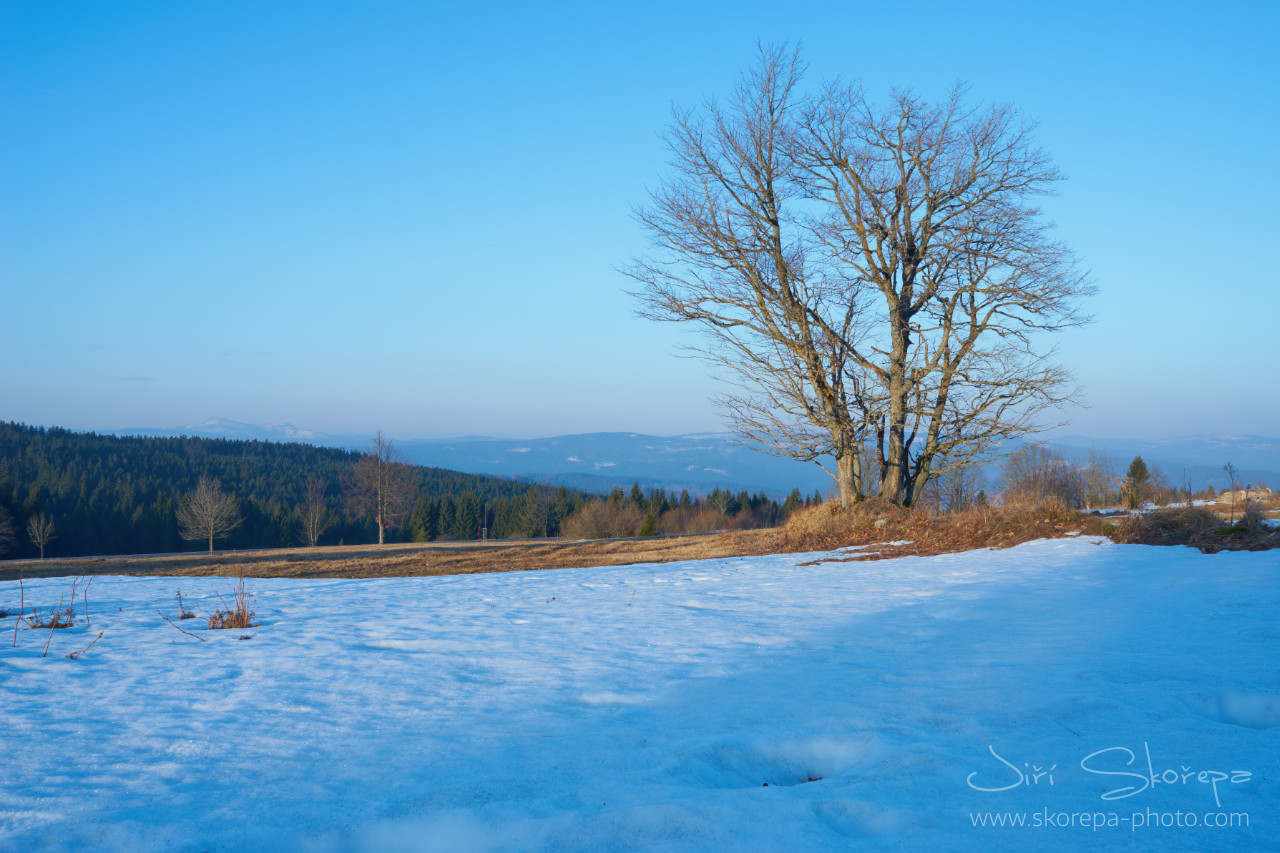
1138,475
793,502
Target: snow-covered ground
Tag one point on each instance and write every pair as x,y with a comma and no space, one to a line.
646,707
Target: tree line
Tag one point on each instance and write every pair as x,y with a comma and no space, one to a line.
1076,479
85,494
122,494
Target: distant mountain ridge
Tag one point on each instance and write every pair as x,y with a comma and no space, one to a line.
593,462
699,462
703,461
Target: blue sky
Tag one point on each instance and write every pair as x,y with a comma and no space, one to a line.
410,216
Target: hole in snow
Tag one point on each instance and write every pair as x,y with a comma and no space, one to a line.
781,764
1251,711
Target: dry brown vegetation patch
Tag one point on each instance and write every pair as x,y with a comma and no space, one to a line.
874,521
411,559
1199,527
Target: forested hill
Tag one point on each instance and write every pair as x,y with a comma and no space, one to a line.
118,494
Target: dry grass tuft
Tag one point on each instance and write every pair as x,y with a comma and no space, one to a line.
239,614
1199,528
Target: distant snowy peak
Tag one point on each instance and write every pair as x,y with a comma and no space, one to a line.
295,433
224,428
237,431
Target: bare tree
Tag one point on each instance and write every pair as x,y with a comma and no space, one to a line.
866,273
40,530
1036,473
1233,481
738,261
1099,474
955,490
1030,474
207,513
314,516
7,536
383,482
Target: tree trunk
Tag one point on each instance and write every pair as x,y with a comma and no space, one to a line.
891,486
914,494
846,479
895,454
848,468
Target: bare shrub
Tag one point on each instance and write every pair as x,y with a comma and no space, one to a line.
54,619
1253,518
1034,474
698,519
239,614
603,520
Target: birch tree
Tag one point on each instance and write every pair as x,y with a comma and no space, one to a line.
314,516
382,483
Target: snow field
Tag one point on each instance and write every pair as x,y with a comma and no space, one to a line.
646,707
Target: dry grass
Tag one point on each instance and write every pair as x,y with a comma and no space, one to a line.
1200,527
409,560
874,521
238,614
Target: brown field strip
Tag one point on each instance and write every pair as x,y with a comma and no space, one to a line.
406,560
